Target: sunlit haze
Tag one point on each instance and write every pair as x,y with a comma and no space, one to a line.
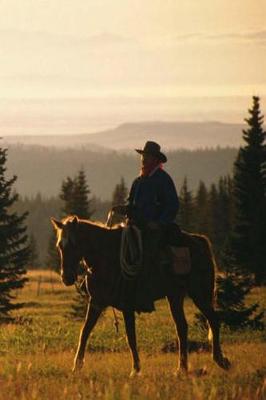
83,66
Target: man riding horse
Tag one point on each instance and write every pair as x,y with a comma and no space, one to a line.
152,206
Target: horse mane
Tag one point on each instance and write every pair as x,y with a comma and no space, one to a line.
98,224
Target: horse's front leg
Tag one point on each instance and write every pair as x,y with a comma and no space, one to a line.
93,313
177,311
129,319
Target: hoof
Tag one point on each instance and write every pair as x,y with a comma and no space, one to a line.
134,373
77,366
223,362
180,372
200,372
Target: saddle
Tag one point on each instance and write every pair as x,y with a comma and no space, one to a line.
176,250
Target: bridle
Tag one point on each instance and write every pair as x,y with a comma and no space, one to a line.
81,284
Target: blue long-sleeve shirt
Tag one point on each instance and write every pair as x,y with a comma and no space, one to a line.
153,198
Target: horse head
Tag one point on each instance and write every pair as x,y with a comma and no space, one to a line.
67,245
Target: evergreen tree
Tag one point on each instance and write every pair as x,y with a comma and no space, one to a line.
120,193
75,196
201,209
224,213
232,288
80,201
186,214
119,197
34,259
213,215
67,196
248,239
14,251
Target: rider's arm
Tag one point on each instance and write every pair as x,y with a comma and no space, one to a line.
169,200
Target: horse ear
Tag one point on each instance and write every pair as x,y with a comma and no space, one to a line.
56,224
74,220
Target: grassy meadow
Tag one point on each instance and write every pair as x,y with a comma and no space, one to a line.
37,352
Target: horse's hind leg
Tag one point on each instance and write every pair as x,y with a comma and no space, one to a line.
213,321
177,309
93,313
129,319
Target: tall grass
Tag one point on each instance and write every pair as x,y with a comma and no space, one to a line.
37,352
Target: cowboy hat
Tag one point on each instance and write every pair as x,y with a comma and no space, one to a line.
154,149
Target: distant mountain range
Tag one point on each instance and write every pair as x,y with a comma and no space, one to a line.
171,135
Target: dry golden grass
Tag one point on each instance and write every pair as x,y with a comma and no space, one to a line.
36,355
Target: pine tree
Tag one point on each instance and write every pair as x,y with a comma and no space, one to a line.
75,196
119,197
67,196
232,288
14,251
34,259
120,193
247,216
80,201
213,215
186,214
248,239
224,213
201,209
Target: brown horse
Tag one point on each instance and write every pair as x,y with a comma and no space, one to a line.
99,247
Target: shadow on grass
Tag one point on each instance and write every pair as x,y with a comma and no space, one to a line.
194,346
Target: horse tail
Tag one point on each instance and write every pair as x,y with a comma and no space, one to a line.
213,269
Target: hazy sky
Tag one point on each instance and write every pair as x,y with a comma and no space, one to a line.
132,48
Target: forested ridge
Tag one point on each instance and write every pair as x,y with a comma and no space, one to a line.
41,169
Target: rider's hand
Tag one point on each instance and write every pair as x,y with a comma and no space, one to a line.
119,209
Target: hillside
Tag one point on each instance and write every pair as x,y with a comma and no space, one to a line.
171,135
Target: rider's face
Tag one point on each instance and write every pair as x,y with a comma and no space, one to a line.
147,160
